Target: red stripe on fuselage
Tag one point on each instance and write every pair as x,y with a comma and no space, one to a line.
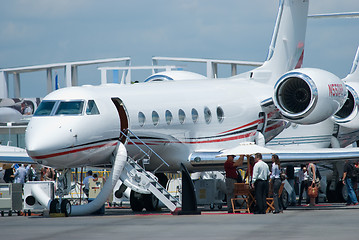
251,123
73,151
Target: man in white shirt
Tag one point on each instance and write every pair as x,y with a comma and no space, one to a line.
260,183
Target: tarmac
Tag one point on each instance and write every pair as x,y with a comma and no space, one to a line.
324,221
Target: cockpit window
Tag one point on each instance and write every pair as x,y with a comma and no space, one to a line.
45,108
70,108
92,108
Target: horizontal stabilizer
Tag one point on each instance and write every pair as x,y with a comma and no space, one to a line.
336,15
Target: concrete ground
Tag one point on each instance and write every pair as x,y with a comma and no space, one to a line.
326,221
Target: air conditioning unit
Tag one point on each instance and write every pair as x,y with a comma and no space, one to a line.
30,201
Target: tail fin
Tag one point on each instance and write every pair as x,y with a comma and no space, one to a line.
353,76
287,46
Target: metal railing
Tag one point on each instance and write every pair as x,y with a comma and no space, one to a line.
144,144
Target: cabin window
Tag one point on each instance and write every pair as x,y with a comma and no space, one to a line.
141,119
194,115
92,108
155,118
220,114
45,108
181,116
207,115
168,117
70,108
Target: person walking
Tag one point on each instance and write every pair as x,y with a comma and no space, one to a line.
348,182
230,168
260,183
277,182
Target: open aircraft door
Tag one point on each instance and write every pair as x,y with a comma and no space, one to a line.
122,112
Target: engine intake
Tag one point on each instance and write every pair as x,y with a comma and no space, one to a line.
348,116
308,95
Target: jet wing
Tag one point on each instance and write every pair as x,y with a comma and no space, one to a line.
10,154
295,155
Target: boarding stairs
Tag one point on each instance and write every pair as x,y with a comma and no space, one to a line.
142,181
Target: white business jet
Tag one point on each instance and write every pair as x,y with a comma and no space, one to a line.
187,118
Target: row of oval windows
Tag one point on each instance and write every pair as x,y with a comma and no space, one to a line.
182,116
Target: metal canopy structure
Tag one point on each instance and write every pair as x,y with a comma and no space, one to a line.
70,72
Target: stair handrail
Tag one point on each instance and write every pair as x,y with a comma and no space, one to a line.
164,162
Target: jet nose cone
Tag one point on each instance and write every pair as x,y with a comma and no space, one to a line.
43,138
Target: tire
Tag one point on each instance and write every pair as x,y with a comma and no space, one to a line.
136,201
162,179
54,206
150,202
10,213
285,199
66,207
330,194
341,192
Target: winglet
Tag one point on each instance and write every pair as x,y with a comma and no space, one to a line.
353,76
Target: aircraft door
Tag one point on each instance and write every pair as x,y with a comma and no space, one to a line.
123,115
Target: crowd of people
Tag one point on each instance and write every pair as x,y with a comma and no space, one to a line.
22,173
264,179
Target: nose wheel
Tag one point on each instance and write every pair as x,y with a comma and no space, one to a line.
63,207
66,207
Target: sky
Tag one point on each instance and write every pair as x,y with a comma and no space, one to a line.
51,31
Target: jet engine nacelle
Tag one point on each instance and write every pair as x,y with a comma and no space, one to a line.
308,95
348,116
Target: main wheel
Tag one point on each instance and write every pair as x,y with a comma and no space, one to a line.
285,199
150,202
136,201
341,192
55,206
330,194
66,207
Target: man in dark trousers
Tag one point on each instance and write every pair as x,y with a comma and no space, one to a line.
231,177
348,182
260,183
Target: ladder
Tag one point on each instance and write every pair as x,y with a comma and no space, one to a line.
147,181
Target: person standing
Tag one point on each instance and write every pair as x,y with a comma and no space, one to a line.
20,174
277,182
291,181
304,183
87,183
230,168
312,180
348,182
249,172
260,183
9,174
